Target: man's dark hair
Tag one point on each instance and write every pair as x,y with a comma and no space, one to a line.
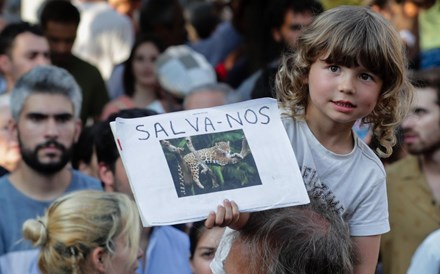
157,12
277,10
427,78
165,19
105,146
83,149
11,31
60,11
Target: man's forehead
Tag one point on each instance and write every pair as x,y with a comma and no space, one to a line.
61,28
426,95
30,42
48,104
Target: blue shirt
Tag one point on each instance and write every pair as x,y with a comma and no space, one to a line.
16,208
167,252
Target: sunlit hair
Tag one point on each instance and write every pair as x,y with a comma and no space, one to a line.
352,36
77,223
45,80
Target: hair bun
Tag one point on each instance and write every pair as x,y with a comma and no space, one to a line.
35,230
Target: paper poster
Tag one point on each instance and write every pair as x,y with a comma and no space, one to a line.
182,165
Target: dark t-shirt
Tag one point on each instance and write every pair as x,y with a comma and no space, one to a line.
94,90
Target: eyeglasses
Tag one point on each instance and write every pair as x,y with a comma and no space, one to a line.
296,27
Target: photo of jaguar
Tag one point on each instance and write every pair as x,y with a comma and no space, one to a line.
211,162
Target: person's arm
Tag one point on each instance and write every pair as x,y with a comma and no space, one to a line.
367,253
227,215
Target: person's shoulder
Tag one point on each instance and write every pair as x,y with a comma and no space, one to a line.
286,114
171,235
407,166
434,238
169,231
4,181
369,155
85,66
83,181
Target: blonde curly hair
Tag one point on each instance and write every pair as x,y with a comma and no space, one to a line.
351,36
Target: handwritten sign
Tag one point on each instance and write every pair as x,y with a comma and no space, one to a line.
182,165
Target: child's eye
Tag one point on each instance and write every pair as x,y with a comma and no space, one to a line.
366,76
420,112
334,68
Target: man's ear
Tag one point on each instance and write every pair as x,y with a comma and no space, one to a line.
78,128
97,259
106,176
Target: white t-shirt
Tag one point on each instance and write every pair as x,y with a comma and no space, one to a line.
104,37
354,184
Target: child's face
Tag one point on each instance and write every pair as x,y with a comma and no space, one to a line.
205,250
341,95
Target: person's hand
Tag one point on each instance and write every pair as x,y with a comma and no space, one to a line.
227,215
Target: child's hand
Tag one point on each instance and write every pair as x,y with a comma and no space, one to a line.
227,215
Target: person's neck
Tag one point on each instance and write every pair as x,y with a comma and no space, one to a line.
429,164
143,96
39,186
334,137
431,161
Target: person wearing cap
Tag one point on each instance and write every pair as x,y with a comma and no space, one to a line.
180,70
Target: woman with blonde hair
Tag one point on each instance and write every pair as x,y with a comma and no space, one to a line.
87,232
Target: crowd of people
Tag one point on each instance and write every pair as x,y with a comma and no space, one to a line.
358,88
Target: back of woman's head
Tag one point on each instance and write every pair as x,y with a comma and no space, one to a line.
353,36
79,222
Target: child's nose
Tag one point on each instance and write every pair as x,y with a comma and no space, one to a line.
346,83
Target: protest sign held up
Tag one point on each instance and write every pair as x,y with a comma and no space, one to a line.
182,165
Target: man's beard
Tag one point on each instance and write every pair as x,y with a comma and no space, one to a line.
30,157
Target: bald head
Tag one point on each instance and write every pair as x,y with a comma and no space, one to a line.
206,96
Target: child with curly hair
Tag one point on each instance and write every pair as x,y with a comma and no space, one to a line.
349,65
